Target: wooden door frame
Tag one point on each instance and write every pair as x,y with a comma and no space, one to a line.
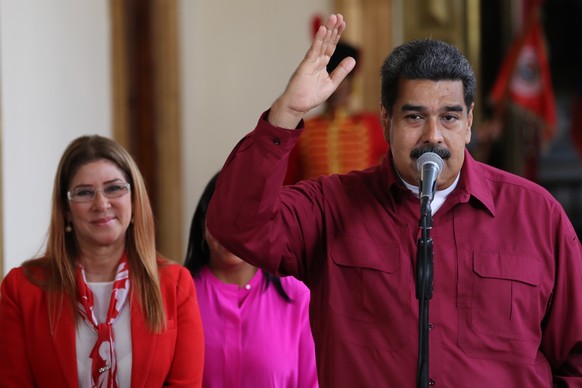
146,106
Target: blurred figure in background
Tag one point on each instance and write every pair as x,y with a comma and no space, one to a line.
256,326
338,140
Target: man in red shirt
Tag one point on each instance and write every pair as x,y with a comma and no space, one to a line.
506,309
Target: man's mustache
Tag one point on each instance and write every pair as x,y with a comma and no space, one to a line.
440,151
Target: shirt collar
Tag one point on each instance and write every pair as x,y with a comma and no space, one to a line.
472,183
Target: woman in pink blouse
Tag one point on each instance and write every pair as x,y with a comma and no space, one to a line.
256,326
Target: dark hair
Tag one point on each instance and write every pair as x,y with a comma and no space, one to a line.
198,252
426,59
343,50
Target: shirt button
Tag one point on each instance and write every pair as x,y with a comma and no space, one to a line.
276,141
431,382
430,326
248,286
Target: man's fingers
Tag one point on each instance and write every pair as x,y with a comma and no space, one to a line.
327,36
335,26
342,70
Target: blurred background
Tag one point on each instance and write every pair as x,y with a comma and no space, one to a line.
179,82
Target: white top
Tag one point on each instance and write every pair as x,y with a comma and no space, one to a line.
439,195
86,337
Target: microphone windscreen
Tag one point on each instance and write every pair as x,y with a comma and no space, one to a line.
429,157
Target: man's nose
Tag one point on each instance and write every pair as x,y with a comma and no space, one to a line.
432,131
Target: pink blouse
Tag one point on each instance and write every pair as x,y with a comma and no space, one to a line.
253,337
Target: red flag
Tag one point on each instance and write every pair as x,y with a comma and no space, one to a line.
525,78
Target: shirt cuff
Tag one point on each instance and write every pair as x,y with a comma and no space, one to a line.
270,136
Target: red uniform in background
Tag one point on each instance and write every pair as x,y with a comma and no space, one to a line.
337,145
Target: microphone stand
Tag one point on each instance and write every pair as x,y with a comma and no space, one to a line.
424,288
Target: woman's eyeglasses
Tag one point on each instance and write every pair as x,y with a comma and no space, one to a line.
88,193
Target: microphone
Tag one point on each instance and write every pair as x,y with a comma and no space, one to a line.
430,166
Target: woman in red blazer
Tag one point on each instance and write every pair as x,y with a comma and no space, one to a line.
100,307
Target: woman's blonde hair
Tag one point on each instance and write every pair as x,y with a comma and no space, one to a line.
55,270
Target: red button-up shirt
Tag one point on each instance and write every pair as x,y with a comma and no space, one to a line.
506,309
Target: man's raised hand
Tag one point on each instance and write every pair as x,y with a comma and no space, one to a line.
311,85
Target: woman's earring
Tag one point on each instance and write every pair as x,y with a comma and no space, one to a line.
68,228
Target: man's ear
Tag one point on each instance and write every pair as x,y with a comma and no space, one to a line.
469,123
385,121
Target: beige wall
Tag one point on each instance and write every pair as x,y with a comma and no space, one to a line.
54,86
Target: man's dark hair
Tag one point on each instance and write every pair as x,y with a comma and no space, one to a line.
426,59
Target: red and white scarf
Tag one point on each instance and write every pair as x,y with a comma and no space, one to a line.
103,354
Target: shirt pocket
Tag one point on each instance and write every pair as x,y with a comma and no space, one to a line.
503,317
369,294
